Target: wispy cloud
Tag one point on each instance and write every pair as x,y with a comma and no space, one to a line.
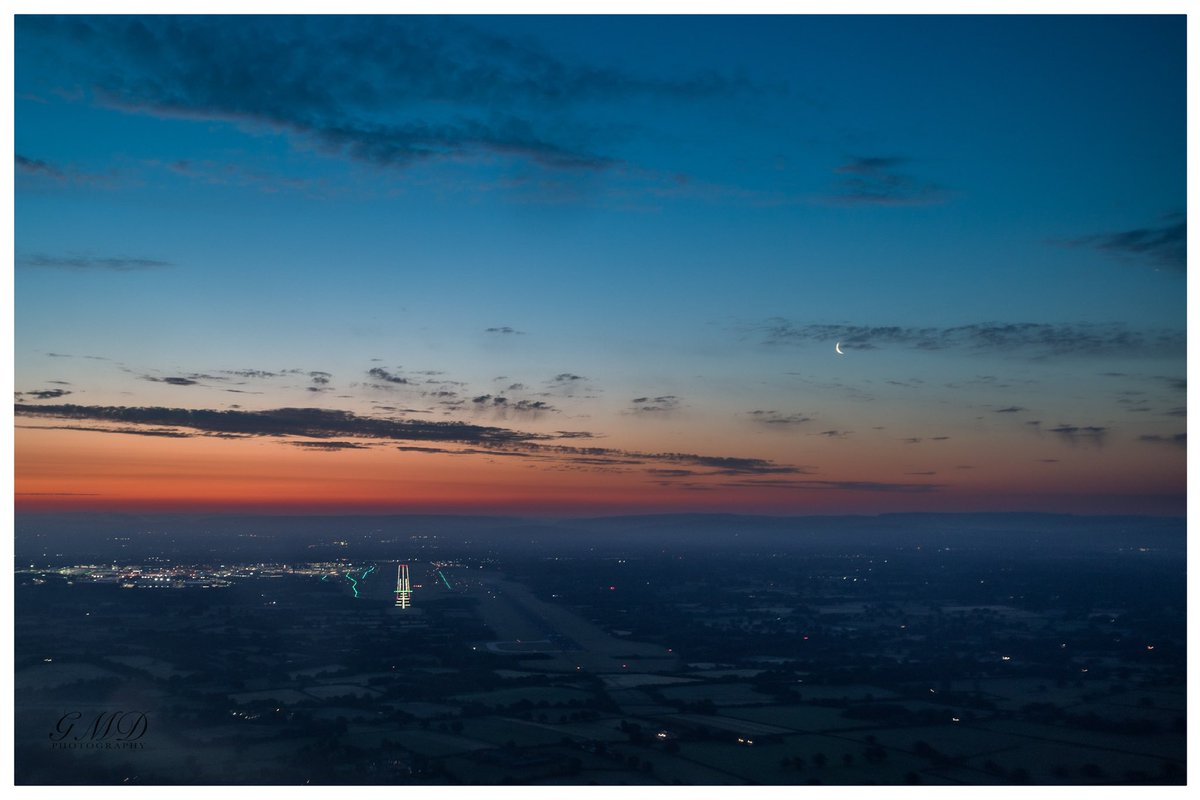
382,374
655,405
434,88
168,433
42,394
882,181
504,329
325,425
307,422
844,486
504,404
251,373
1076,434
1164,246
92,263
331,445
36,166
778,419
173,381
40,169
1178,439
1030,339
233,174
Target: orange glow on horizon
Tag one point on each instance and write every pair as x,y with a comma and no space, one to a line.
66,470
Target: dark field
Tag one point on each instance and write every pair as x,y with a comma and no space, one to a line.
934,650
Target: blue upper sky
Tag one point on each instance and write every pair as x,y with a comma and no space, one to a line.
687,207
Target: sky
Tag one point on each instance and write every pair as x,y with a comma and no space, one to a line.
600,265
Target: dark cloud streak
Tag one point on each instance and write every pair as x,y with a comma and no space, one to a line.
386,91
1037,340
1164,246
92,264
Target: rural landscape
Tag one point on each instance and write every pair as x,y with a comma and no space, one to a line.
997,649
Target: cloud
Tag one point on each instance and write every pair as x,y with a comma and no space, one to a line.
320,378
1008,410
169,433
35,166
43,394
309,422
1163,247
92,264
40,169
502,403
531,406
1031,339
832,434
845,486
575,435
777,419
385,91
505,330
327,424
880,181
1179,439
330,445
251,373
174,381
228,173
1074,434
567,384
653,405
724,465
1178,384
383,375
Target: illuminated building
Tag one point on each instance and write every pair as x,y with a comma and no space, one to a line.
403,587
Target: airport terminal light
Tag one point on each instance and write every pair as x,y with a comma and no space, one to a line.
403,587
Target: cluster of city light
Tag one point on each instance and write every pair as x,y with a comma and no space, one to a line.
180,576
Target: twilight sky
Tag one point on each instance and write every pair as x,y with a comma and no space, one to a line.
600,265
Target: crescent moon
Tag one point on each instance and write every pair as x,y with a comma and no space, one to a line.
838,348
